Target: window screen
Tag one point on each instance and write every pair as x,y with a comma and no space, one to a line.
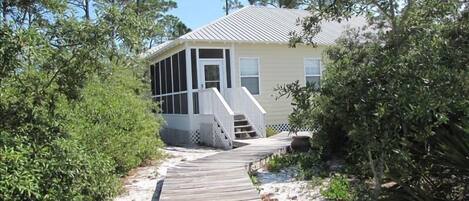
313,71
176,79
163,77
249,68
169,84
211,53
157,79
182,70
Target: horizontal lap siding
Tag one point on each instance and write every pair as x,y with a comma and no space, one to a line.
279,64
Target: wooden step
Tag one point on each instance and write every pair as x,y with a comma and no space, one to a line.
243,126
244,129
245,134
239,117
241,122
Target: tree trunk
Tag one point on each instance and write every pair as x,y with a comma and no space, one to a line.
87,9
377,167
226,7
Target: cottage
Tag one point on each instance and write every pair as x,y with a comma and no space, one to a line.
216,83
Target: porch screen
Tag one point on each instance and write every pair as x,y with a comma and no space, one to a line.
169,83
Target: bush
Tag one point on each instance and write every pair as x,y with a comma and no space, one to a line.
277,162
309,164
111,119
391,98
339,189
61,171
270,132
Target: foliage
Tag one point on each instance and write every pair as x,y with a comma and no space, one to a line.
308,164
73,106
392,91
254,179
61,171
277,162
278,3
339,189
231,5
270,132
171,28
110,119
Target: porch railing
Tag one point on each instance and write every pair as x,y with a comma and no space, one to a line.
212,102
242,101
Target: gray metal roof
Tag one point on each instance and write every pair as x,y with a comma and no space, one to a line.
255,24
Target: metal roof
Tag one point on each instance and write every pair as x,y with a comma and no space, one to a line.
256,24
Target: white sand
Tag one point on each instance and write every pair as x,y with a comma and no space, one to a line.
282,185
144,183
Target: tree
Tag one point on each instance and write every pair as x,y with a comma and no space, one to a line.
278,3
392,88
66,69
231,5
170,28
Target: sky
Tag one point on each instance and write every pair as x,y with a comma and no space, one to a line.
196,13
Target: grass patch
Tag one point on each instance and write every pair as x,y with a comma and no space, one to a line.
339,189
308,164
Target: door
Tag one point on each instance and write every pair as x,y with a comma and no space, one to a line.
211,74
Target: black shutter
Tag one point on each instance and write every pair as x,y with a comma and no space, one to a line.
228,68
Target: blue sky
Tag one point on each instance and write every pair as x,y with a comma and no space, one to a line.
196,13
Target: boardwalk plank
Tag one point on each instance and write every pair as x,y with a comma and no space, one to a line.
223,176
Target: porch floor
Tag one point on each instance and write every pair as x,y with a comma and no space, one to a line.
223,176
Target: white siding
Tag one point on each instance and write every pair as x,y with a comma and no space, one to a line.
279,64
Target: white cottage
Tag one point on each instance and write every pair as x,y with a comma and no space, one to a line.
216,83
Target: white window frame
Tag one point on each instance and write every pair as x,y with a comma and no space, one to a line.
312,75
258,76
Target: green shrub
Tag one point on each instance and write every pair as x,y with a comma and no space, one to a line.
309,164
112,119
270,132
62,171
277,162
339,189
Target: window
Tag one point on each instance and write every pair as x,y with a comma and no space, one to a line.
211,53
313,71
249,68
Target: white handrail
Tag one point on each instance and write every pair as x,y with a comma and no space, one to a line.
212,102
242,101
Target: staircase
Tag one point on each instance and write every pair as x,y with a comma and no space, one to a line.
243,129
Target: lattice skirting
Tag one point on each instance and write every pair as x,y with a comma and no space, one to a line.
195,136
283,127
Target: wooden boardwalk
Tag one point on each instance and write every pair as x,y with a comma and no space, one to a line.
223,176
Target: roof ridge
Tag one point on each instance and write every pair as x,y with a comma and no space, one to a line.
214,21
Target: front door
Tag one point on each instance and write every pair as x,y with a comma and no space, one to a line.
211,74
